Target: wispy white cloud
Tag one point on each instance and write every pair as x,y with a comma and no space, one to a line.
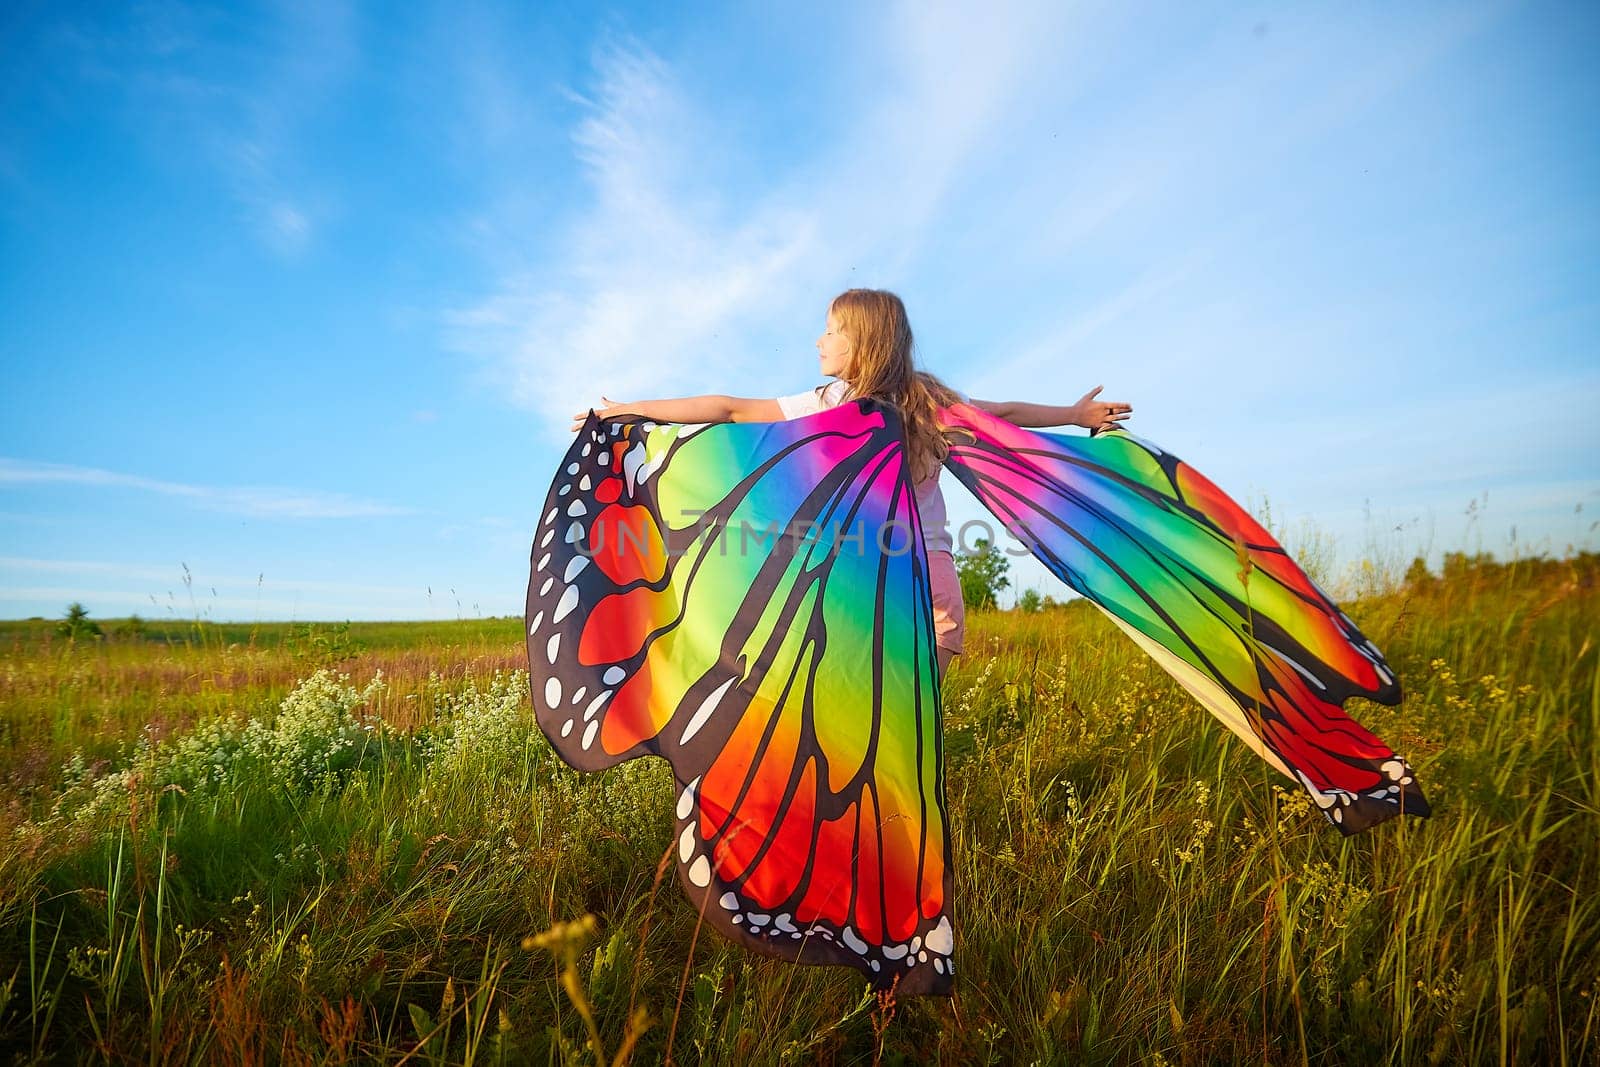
647,280
1043,355
42,586
664,278
104,602
239,104
262,501
1155,184
312,48
148,572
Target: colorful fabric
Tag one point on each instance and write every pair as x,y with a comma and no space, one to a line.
930,498
752,602
1208,592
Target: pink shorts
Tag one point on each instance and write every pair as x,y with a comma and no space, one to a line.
949,614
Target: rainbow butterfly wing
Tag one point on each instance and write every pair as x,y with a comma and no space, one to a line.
1160,549
751,602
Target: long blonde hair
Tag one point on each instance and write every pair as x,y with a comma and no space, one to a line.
884,368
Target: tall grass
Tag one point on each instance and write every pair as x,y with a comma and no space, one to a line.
297,867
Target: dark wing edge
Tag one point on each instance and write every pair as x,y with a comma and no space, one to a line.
725,696
1160,549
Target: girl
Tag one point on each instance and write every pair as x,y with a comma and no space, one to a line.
810,821
866,347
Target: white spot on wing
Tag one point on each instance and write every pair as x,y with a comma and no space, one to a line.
686,799
703,712
551,646
575,567
700,872
552,692
613,675
569,600
941,938
631,462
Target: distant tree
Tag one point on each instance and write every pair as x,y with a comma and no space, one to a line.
983,574
132,627
1459,566
76,623
1030,601
1418,577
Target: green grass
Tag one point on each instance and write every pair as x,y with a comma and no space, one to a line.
249,861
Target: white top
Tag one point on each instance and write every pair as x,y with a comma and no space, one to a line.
930,499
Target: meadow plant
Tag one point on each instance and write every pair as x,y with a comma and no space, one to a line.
293,881
479,730
318,736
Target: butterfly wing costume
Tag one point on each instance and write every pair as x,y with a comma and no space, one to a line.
751,602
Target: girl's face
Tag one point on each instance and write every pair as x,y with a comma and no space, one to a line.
833,349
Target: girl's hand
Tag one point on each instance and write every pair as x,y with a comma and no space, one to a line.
1100,415
609,409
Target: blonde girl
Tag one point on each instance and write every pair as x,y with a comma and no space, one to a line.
867,348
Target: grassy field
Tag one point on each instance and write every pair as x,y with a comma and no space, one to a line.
338,844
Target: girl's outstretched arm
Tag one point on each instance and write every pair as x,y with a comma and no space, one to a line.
1088,412
713,407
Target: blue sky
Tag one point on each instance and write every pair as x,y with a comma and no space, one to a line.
300,296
